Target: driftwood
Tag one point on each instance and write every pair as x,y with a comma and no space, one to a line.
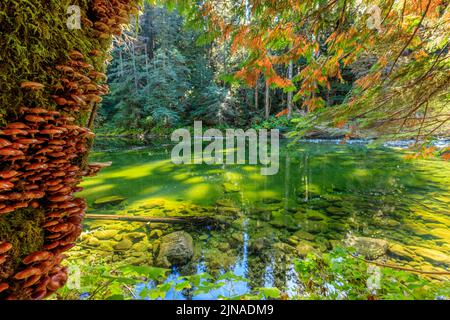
181,220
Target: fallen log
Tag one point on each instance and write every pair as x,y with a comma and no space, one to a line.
145,219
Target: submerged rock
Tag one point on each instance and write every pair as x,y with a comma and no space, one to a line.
401,252
237,239
283,247
432,255
105,234
314,215
111,200
156,233
176,248
257,245
154,203
441,233
125,244
302,249
230,188
304,235
271,201
371,248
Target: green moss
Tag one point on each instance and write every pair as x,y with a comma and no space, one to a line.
34,38
21,228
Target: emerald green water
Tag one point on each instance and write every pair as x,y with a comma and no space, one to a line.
323,194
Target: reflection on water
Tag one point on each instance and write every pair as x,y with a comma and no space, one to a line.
323,194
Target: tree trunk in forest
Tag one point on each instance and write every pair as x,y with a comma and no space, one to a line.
289,97
267,105
256,97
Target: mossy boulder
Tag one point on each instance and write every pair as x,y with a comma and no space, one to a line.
155,234
176,248
228,211
123,245
371,248
133,236
303,249
336,211
300,234
283,247
105,234
314,215
237,239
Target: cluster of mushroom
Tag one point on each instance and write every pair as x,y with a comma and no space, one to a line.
42,275
4,248
78,87
110,15
38,154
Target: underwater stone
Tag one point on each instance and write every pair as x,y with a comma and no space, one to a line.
93,241
304,235
155,234
401,252
228,211
371,248
142,247
151,204
271,201
176,248
335,211
441,233
225,203
314,226
105,234
314,215
125,244
134,236
236,239
111,200
230,188
432,255
257,245
292,240
283,247
302,249
264,215
224,246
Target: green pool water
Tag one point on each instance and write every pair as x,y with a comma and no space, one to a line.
323,195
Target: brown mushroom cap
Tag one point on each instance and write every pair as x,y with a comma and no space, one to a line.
34,118
32,85
37,111
10,152
5,247
3,286
37,256
28,272
13,132
4,143
17,125
8,174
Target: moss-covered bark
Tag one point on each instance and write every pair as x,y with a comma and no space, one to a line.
37,46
